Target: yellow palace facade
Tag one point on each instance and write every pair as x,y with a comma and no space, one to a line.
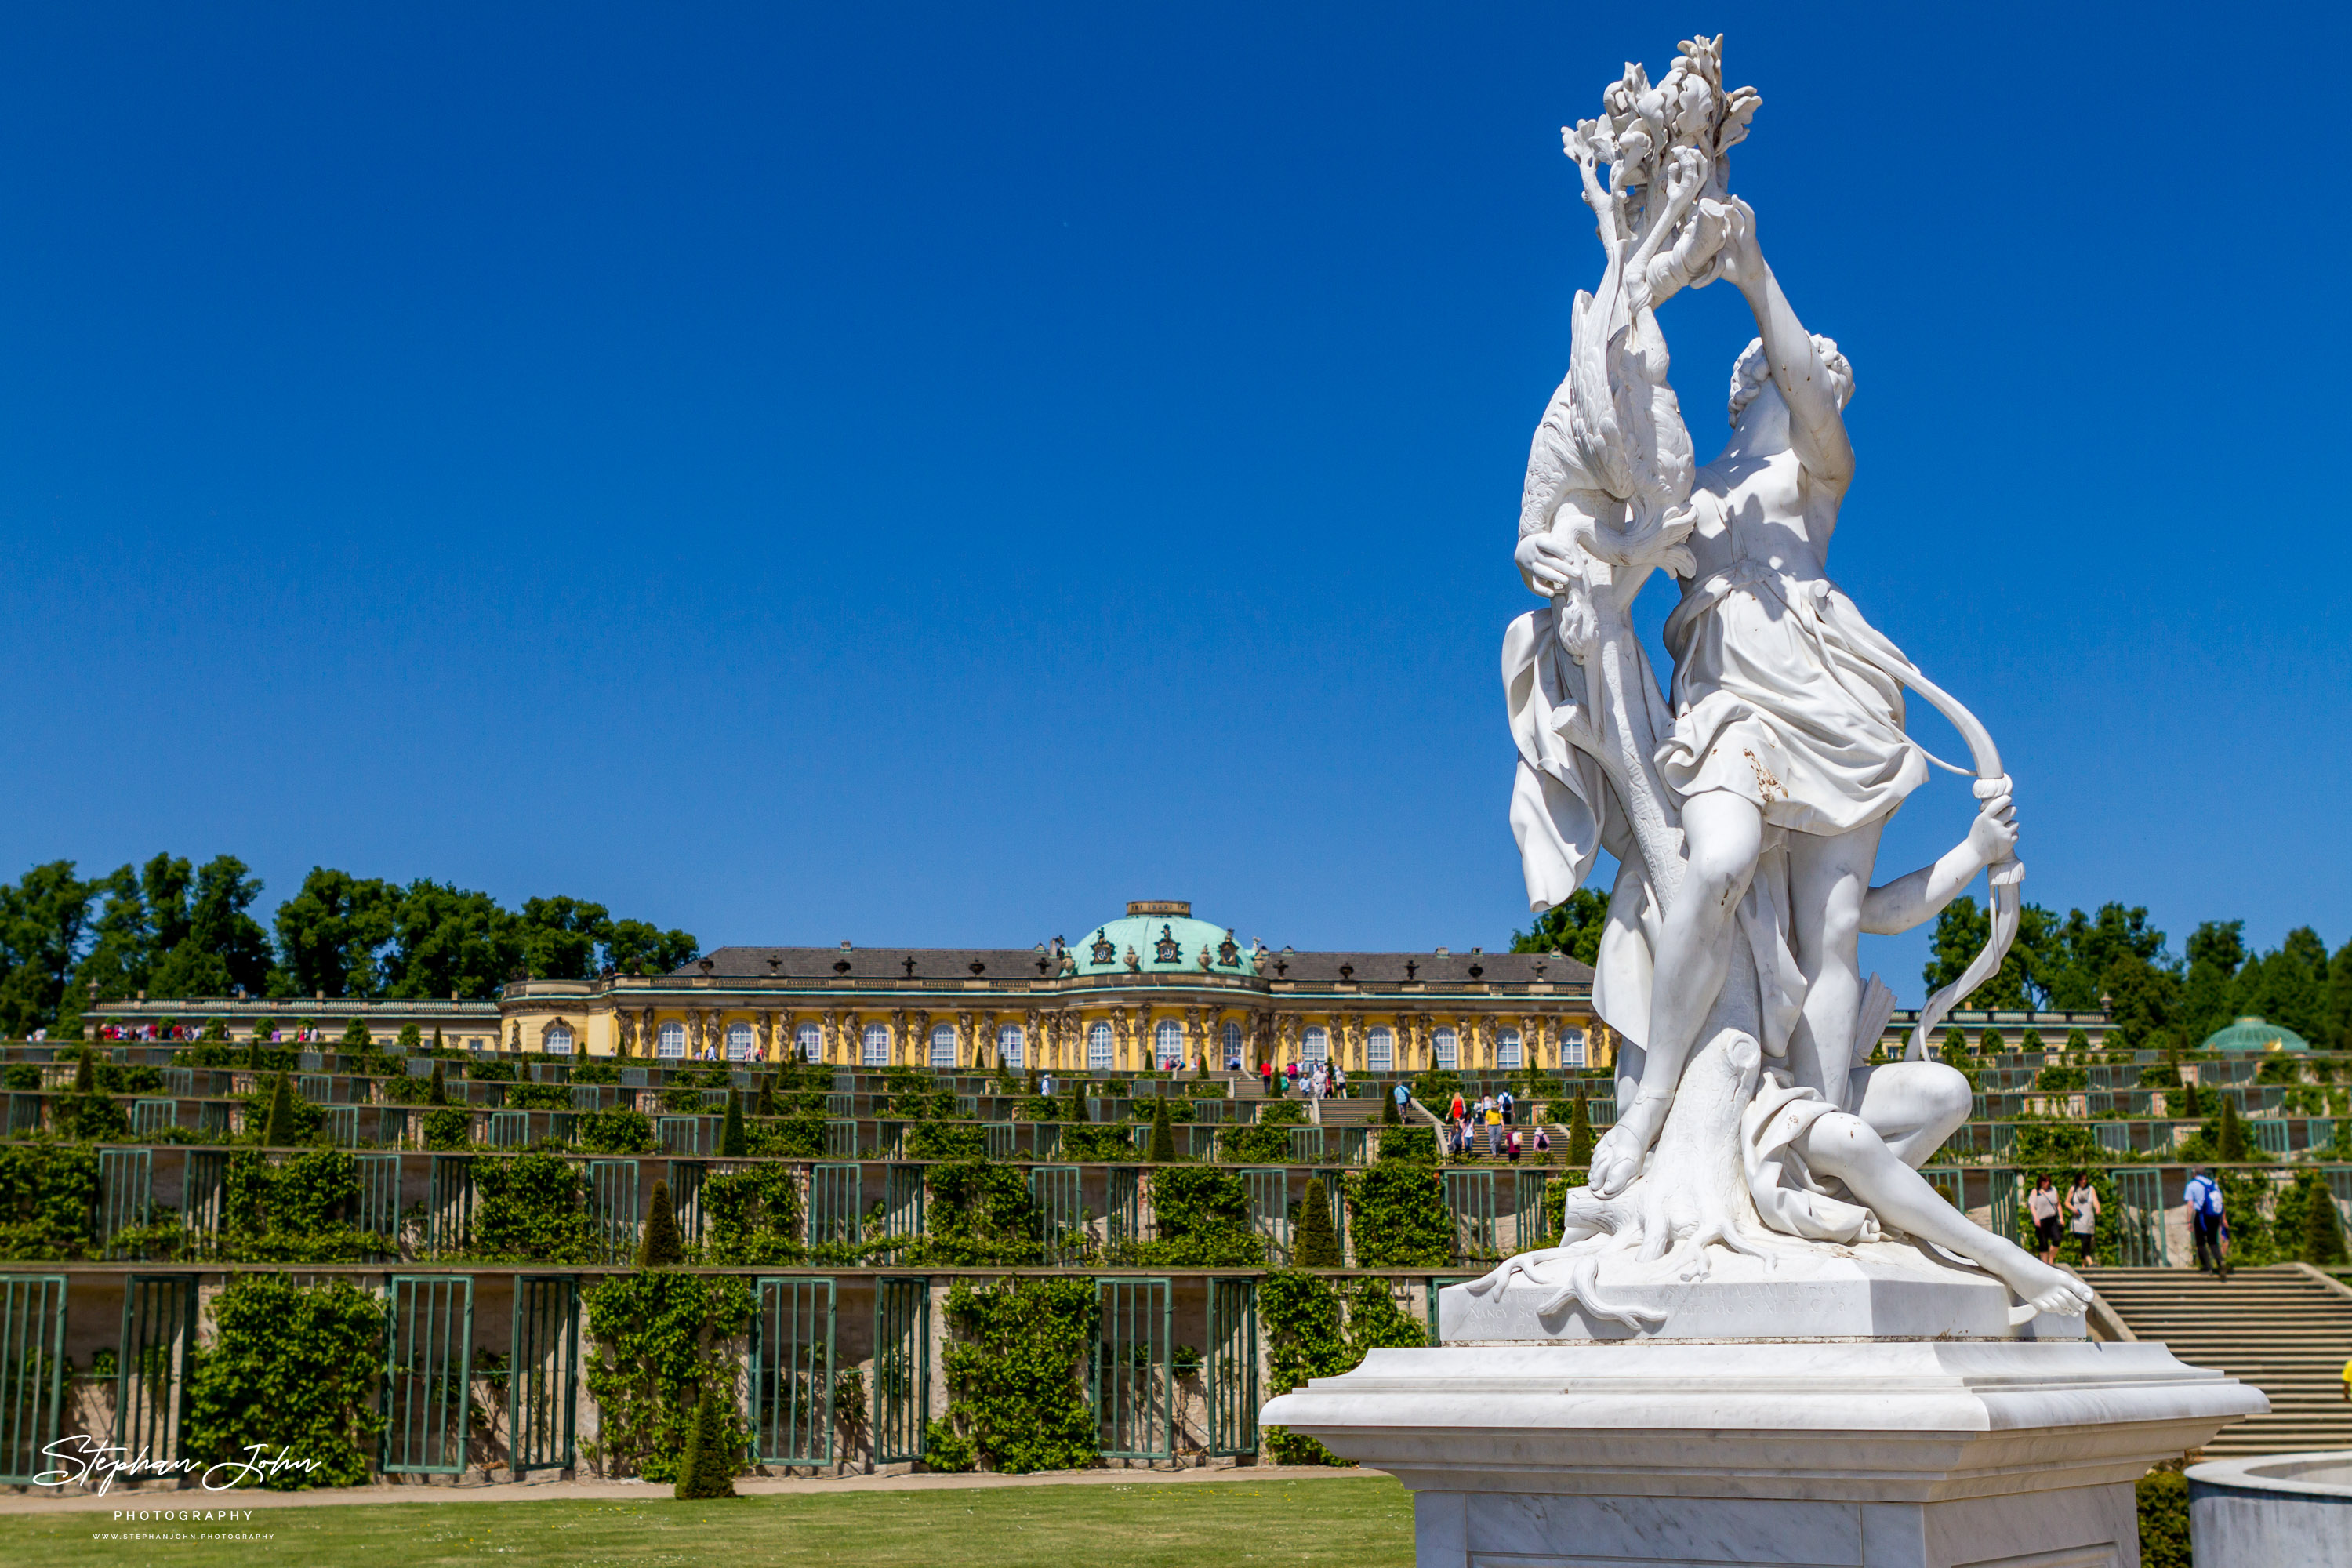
1156,989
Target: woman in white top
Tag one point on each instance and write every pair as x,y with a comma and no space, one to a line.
2042,1204
2083,1199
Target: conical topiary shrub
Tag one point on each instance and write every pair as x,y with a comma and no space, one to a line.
1078,1107
1579,1132
1318,1245
1163,1136
2323,1227
2230,1145
2188,1106
278,1127
708,1467
766,1104
1388,1117
86,1072
732,1144
437,1090
660,1247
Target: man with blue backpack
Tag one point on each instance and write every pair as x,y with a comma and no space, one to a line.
2204,1197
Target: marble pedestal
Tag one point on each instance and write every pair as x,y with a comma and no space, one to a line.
1782,1447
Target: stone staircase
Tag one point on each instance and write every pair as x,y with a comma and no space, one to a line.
2284,1329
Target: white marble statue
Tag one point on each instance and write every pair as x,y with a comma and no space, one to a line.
1745,809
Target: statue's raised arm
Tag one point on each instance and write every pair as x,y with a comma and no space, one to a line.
1816,427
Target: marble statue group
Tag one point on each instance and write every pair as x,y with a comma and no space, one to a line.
1743,802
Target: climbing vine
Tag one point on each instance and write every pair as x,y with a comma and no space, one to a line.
1013,1363
529,1209
1205,1223
294,1370
753,1216
1316,1328
655,1337
1398,1211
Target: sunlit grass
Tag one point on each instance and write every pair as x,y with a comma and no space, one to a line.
1359,1522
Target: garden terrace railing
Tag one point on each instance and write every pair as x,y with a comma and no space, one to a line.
1233,1386
1133,1382
837,1200
429,1372
126,1187
152,1362
1056,1195
613,1210
902,1368
1268,1190
543,1372
793,1371
1470,1198
32,1372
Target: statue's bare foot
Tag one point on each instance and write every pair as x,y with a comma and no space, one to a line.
1617,1159
2043,1287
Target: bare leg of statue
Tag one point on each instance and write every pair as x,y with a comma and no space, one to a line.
1723,834
1844,1146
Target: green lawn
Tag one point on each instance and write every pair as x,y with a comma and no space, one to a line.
1363,1523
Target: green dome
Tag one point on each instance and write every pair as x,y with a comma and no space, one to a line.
2253,1035
1165,939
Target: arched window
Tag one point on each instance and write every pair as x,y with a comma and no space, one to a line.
557,1041
1008,1042
1315,1045
1380,1047
810,1038
1448,1047
1233,1045
875,1048
944,1045
1167,1043
1571,1048
1506,1049
670,1041
1098,1047
739,1042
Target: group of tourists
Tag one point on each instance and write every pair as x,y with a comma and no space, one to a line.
1492,1120
2077,1210
1316,1080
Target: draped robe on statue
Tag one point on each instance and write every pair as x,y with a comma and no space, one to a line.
1785,696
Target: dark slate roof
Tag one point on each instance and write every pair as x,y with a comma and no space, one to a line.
1020,962
870,963
1391,968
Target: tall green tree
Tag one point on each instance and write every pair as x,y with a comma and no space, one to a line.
329,933
446,939
634,947
45,928
561,937
1572,928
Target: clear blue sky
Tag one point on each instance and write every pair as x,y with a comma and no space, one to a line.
927,475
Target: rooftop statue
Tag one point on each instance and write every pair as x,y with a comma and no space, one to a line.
1744,810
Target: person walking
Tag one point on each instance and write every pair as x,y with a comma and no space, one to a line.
1515,1145
2347,1382
1494,1127
2085,1201
1505,1100
1456,1112
2042,1204
1403,1098
2204,1197
1265,1077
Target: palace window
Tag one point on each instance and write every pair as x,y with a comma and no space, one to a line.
1506,1049
944,1045
739,1042
1571,1048
557,1041
1233,1045
1098,1047
670,1041
810,1038
875,1048
1448,1047
1008,1046
1380,1050
1167,1043
1317,1045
